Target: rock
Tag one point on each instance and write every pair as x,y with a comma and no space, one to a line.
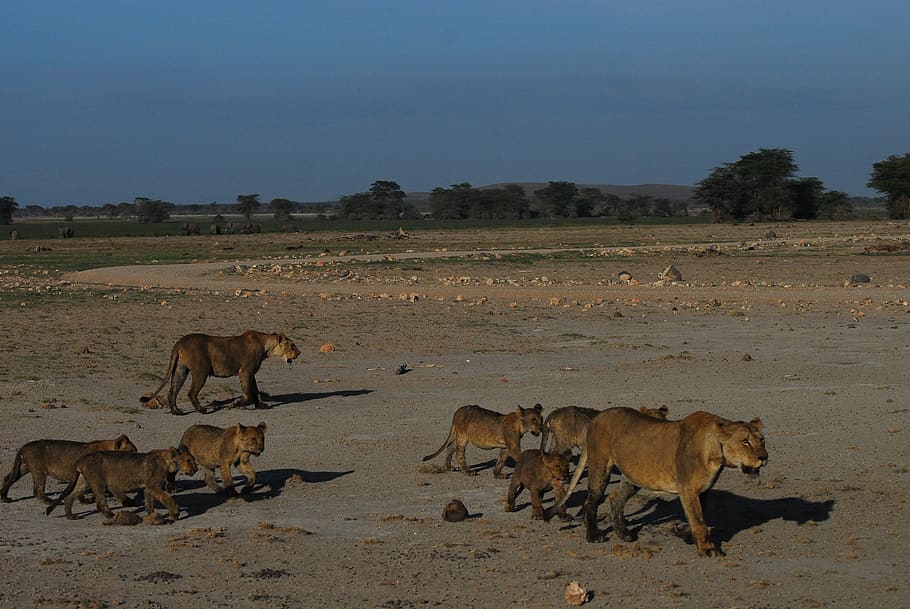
860,278
671,273
575,594
624,275
327,348
770,235
455,511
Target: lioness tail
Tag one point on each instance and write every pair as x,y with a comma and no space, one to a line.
172,365
582,461
448,441
14,474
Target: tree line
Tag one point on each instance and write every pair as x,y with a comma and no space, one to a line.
760,185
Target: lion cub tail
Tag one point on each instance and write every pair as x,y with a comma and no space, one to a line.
579,469
63,495
449,440
172,365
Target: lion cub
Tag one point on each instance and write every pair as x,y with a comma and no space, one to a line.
120,473
215,447
57,459
538,471
487,429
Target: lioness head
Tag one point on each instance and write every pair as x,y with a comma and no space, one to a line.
251,439
285,349
181,461
124,444
531,419
743,445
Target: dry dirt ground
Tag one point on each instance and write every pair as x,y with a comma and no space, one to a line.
347,515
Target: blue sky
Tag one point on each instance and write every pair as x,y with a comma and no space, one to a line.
200,101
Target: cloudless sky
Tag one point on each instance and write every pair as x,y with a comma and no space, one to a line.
199,101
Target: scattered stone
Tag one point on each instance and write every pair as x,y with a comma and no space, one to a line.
402,369
575,594
624,276
860,278
770,235
455,511
671,273
747,357
327,348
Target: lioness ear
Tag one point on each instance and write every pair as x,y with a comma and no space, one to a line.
282,337
262,426
538,407
756,423
174,451
663,409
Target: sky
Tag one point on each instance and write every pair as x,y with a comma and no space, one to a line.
194,102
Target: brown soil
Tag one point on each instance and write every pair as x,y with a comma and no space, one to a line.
348,516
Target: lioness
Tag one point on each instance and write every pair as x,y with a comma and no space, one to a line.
120,473
214,447
222,356
488,429
681,457
569,426
55,458
538,471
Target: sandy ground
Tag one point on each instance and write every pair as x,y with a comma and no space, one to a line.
346,516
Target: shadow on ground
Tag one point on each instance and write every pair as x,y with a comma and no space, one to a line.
726,514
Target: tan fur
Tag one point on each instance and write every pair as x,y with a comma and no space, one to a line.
538,471
681,457
121,472
216,447
203,356
569,427
57,459
487,429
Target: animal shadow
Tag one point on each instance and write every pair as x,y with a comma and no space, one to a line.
291,398
485,465
274,401
269,484
728,513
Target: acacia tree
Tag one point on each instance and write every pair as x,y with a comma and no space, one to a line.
388,199
150,211
555,198
282,209
8,206
891,177
247,204
758,185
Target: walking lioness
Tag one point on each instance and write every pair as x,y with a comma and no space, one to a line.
488,429
57,459
680,457
222,356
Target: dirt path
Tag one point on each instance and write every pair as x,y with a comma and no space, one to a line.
348,517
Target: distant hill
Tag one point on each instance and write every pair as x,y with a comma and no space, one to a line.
674,192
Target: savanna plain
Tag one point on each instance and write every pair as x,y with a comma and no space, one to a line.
770,321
